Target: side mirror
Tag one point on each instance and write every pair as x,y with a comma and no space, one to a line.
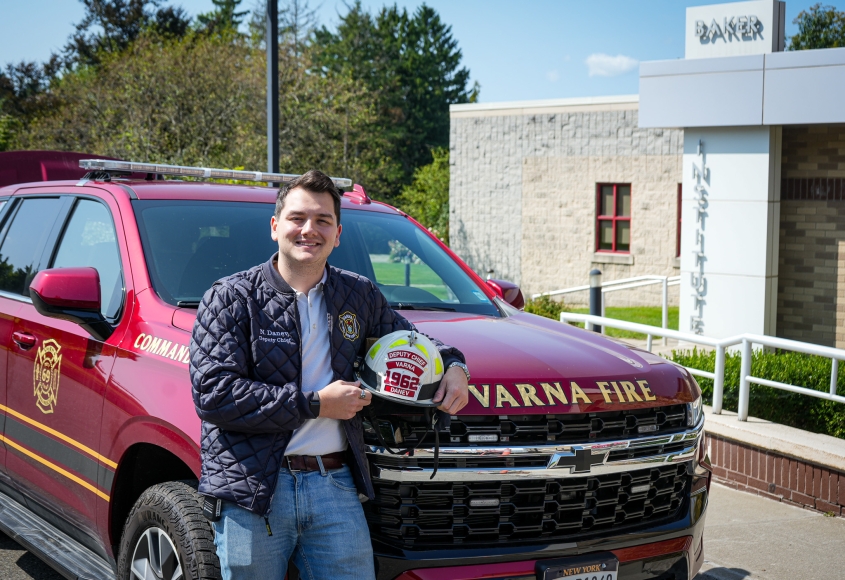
71,294
509,292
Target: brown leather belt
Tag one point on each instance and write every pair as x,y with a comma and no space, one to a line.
310,463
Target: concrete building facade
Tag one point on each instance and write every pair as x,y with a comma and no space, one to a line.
733,173
525,183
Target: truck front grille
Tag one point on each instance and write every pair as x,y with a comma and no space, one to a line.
515,429
427,514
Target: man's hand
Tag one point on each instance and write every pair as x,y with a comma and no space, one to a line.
342,399
453,392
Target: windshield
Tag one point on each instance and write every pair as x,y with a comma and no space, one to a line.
190,244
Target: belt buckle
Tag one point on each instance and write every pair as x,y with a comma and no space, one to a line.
290,467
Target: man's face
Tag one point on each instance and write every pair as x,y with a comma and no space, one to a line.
307,230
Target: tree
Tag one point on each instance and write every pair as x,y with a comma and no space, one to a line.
23,96
6,129
200,100
427,197
820,27
225,17
411,65
110,26
171,21
297,22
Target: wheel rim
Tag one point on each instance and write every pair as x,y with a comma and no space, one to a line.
155,557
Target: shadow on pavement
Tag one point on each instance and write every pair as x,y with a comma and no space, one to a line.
720,573
16,563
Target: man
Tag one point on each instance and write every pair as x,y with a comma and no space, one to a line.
273,382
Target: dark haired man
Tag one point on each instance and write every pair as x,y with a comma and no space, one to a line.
272,375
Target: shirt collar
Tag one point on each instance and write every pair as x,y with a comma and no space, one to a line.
322,281
271,274
317,288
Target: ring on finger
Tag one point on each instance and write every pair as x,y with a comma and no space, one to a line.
363,394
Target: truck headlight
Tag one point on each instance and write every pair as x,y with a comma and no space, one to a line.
694,411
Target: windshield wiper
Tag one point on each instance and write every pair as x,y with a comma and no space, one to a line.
404,306
188,303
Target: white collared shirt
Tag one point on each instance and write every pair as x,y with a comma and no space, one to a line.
319,436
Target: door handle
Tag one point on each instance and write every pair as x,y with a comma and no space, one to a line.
24,340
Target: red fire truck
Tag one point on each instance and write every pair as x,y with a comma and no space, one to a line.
577,456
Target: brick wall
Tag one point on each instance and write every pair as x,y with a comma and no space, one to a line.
523,195
813,151
811,273
777,477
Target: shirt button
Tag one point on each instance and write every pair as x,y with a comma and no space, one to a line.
313,326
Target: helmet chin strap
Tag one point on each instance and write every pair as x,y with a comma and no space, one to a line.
435,419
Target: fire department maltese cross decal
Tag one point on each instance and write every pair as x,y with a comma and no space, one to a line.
45,377
349,325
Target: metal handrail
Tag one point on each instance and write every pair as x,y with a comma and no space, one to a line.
626,284
747,340
646,280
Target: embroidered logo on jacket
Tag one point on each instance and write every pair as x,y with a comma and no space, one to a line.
349,325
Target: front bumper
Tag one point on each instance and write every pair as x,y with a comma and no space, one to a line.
658,551
671,552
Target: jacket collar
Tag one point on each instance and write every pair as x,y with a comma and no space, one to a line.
271,274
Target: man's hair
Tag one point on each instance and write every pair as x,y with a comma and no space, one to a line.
314,181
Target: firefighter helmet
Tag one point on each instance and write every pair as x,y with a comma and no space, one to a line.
403,367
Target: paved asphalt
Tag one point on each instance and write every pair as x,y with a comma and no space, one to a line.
746,538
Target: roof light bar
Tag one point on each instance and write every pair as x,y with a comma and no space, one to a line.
200,172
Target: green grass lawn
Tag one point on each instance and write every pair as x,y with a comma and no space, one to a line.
650,315
393,274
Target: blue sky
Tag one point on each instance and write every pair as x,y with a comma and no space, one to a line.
516,50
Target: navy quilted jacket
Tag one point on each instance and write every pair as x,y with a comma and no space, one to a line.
245,373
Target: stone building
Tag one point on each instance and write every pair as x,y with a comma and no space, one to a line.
725,169
811,281
526,192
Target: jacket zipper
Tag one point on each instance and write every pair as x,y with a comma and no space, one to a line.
331,359
299,381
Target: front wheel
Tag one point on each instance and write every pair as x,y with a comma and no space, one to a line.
166,537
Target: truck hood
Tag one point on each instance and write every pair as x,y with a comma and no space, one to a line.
534,365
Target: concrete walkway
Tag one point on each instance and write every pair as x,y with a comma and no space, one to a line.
754,538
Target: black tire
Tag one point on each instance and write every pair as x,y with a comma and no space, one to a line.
173,508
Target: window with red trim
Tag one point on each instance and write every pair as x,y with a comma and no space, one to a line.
613,224
678,233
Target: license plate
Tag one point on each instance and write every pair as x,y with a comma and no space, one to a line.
579,568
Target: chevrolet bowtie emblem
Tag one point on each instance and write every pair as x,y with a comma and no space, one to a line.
579,460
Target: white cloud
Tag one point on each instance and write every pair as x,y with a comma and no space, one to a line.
604,65
553,76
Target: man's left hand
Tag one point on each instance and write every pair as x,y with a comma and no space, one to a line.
453,392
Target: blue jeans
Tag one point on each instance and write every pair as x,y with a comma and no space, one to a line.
316,519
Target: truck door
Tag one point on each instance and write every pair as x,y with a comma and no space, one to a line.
8,309
57,372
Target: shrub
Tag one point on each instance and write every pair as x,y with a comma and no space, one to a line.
546,306
800,411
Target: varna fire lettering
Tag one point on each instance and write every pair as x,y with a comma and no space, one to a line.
497,396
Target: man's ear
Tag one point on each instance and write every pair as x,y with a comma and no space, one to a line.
273,233
337,238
